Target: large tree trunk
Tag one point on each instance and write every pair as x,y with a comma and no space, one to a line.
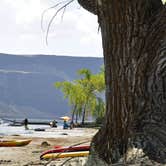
134,44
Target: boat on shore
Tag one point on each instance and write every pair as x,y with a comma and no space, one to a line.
15,124
65,154
62,149
14,143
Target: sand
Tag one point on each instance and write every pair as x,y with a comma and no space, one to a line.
29,155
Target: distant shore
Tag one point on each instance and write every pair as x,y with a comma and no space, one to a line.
30,154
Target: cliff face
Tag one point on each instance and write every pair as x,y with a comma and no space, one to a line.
27,83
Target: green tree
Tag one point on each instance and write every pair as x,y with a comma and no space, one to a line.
81,93
91,85
88,87
72,91
99,109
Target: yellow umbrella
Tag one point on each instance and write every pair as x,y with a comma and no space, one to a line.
65,118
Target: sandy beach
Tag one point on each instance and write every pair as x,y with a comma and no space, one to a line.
29,155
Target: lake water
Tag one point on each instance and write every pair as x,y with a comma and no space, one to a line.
49,132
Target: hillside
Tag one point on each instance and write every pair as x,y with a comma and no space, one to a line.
27,83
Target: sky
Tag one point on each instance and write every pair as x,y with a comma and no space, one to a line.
21,31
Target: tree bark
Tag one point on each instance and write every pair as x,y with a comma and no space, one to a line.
73,113
83,114
90,5
134,45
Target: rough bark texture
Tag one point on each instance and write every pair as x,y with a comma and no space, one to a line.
90,5
134,44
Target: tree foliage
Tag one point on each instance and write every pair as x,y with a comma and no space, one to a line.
84,94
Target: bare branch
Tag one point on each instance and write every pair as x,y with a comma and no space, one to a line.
50,22
46,10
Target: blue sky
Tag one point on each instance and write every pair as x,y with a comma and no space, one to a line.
21,33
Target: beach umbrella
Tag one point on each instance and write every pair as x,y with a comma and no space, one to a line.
65,118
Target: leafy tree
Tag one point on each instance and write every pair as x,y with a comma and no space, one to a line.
81,93
134,47
91,85
99,110
88,87
72,91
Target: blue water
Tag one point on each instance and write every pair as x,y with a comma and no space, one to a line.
49,132
5,129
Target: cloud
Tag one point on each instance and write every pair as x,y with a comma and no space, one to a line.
26,11
20,31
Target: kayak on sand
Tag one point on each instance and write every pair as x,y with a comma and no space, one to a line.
14,143
65,154
60,149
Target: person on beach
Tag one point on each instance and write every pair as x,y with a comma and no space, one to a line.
53,123
26,124
65,125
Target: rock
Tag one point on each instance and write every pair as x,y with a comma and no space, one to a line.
45,143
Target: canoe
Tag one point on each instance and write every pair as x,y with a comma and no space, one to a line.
65,154
60,149
14,143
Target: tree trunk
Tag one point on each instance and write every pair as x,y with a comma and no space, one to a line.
134,44
73,113
83,114
76,121
90,5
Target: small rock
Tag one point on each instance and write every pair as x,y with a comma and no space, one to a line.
64,134
45,143
4,161
15,135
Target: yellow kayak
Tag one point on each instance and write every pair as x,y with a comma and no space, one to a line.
13,143
65,154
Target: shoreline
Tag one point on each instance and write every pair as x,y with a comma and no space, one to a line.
30,154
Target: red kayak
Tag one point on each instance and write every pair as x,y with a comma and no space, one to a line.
67,149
